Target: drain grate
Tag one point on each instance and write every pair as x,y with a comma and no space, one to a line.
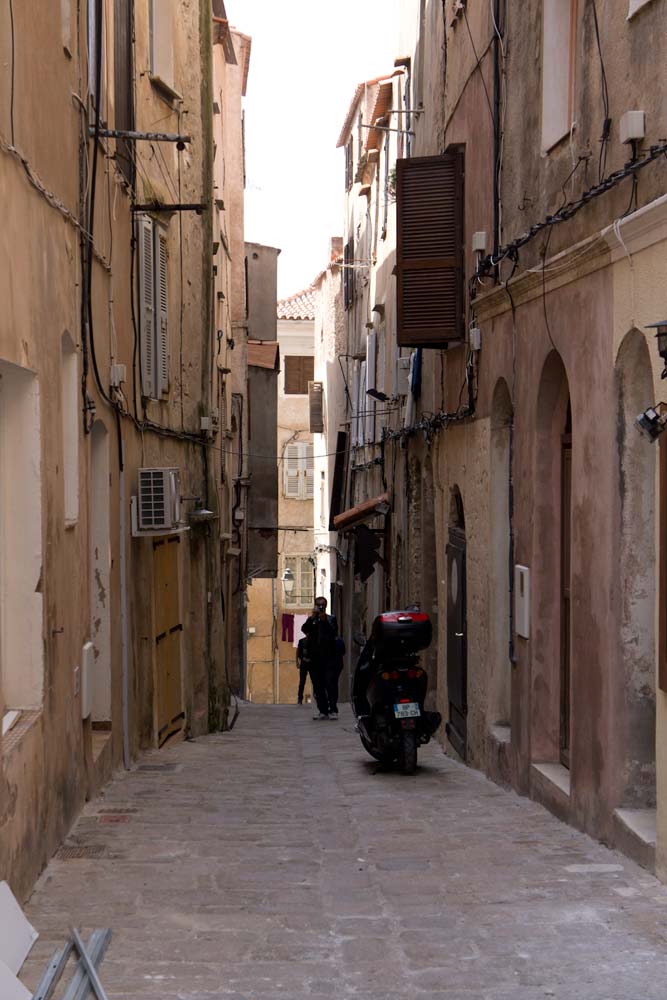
77,852
159,767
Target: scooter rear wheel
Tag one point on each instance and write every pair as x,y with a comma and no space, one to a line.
369,748
407,753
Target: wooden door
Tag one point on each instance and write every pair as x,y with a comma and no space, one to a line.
169,713
565,617
457,647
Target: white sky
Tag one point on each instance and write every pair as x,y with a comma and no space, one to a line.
307,58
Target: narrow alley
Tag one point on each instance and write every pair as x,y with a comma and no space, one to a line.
279,861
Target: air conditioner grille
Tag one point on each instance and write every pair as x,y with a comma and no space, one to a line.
152,498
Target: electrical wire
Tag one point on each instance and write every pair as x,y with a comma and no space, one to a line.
13,70
571,209
479,67
606,125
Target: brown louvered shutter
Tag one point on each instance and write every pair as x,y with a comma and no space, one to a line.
299,372
429,269
316,407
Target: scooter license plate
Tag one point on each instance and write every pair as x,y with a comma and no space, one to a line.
410,710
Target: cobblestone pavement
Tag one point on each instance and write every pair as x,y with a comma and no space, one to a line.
279,862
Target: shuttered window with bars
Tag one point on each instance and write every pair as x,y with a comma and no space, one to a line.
162,43
153,286
299,372
302,571
298,471
429,268
316,407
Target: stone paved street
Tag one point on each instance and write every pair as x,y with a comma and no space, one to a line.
277,861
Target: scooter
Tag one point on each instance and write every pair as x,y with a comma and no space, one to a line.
389,689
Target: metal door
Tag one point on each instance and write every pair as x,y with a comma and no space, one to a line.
457,665
169,713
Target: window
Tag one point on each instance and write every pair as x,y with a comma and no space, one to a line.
298,471
162,43
429,258
92,52
70,404
558,50
368,402
303,594
348,274
636,5
153,307
299,371
349,164
21,598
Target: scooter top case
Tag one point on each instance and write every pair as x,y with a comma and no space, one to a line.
400,633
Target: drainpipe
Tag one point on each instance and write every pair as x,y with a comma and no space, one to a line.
511,650
496,126
276,651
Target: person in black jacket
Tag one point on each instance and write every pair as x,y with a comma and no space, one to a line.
321,631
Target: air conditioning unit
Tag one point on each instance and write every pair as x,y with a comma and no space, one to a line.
159,500
402,376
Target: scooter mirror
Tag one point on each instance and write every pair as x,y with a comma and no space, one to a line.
359,639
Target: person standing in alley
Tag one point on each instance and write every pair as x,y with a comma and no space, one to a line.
303,665
321,631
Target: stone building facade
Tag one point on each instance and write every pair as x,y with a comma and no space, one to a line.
526,512
115,357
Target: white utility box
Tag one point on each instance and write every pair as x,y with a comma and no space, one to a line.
522,601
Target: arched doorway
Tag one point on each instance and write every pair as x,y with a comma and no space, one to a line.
635,684
500,677
457,647
552,525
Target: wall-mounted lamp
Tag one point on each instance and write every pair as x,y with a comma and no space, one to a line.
288,582
661,336
652,421
376,394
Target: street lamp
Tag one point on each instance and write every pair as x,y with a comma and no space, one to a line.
661,336
288,582
652,421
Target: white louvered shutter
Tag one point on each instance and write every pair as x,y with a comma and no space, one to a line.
309,463
371,347
162,308
146,304
355,405
361,423
306,582
292,471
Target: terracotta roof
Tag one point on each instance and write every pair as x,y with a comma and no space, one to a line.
363,87
383,103
264,354
298,306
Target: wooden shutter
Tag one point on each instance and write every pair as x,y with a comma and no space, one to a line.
355,405
306,582
338,485
369,404
290,562
162,312
292,471
299,372
316,407
309,472
361,418
146,285
429,251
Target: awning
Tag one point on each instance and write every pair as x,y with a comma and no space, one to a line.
362,512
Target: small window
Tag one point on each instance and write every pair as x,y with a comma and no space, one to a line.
93,42
558,52
299,371
349,164
123,85
302,569
153,284
298,471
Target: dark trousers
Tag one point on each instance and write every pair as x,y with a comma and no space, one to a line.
318,674
332,672
303,676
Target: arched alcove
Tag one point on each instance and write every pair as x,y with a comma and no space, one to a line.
551,637
637,575
429,593
457,641
100,573
500,678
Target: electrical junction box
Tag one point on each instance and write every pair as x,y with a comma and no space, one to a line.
475,338
522,601
117,375
479,242
633,126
